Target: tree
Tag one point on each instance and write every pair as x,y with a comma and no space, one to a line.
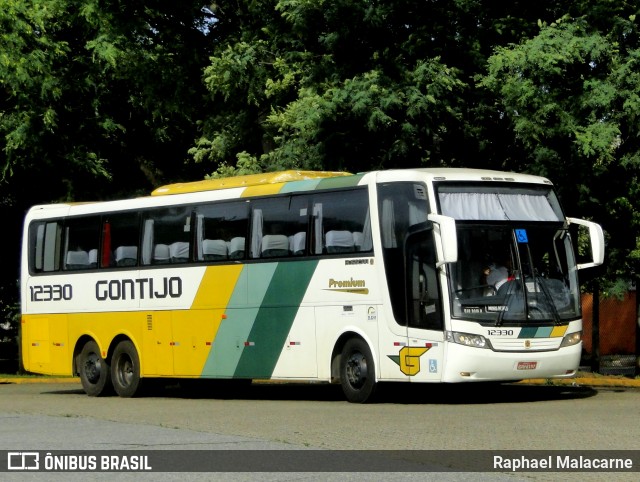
355,85
98,95
97,101
571,94
103,99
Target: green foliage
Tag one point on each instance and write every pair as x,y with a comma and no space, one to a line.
27,55
330,85
98,100
393,115
559,85
571,95
246,164
90,90
102,99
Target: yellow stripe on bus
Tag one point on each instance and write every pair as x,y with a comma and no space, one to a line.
265,178
216,287
262,190
194,330
558,331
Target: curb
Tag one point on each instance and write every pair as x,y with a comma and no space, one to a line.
27,380
586,382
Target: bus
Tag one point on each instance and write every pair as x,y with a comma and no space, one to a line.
417,275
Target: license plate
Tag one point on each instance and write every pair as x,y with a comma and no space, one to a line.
527,365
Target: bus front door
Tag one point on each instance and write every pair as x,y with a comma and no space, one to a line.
425,324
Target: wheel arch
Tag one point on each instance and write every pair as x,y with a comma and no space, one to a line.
338,346
77,349
126,337
120,338
84,339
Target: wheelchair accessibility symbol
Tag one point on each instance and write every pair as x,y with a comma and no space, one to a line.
521,236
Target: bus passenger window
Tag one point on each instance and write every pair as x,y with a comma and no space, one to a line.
220,231
44,246
341,222
167,229
121,235
279,227
82,236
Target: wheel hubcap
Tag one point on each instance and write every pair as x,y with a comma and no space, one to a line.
357,370
125,372
92,368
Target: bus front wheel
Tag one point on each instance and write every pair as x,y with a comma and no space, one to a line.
94,370
357,371
125,369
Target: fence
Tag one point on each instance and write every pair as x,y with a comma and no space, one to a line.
611,343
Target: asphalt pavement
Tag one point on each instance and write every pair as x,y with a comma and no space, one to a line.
583,380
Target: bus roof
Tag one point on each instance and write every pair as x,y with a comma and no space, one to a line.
245,181
473,174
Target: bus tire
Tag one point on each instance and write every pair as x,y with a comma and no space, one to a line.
125,369
94,371
357,371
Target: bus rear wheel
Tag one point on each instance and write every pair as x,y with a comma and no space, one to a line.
125,369
94,371
357,371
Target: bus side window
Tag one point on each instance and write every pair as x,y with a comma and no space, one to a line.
341,223
167,229
279,227
121,236
82,236
44,246
221,229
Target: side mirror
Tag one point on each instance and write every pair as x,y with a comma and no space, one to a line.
597,242
445,227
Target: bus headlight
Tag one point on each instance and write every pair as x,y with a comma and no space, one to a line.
571,339
467,339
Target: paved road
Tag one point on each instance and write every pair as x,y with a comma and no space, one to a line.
309,416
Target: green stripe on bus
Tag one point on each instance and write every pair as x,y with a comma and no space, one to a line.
528,332
544,332
234,331
229,343
295,186
274,320
337,182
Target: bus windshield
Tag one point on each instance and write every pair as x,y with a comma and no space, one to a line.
515,274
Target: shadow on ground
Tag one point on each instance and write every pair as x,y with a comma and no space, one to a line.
393,393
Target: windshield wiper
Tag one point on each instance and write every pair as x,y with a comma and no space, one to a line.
512,286
540,281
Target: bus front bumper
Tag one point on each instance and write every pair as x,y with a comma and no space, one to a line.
469,364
